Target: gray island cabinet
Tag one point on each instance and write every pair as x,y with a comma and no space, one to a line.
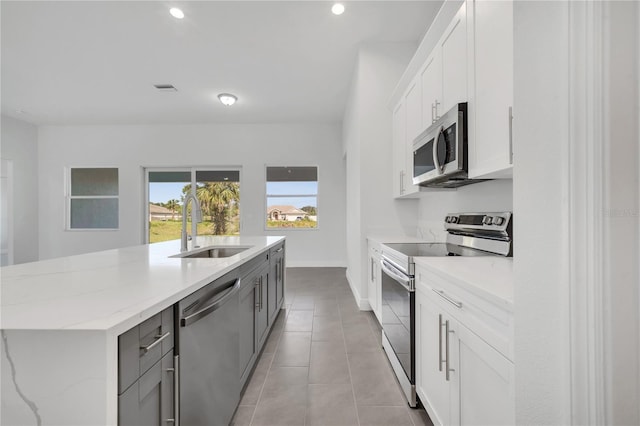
93,339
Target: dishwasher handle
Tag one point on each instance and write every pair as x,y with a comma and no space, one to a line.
217,303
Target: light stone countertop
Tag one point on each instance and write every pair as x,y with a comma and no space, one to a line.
490,277
111,290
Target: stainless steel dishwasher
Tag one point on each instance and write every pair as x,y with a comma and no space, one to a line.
208,345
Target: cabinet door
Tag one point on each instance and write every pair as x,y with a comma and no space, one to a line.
399,149
431,78
247,326
280,274
262,313
272,297
486,386
413,105
149,401
431,383
490,147
371,284
453,46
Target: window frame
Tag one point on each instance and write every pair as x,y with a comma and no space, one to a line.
192,170
69,197
266,198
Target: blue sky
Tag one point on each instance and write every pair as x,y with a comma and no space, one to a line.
161,192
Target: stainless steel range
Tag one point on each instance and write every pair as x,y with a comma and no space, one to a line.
468,234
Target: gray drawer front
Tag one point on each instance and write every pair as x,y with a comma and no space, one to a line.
251,265
133,361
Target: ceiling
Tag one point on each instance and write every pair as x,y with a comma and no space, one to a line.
88,62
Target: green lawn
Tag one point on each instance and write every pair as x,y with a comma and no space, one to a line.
170,230
295,224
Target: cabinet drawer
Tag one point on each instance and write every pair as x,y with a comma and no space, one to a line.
490,322
277,249
251,265
143,346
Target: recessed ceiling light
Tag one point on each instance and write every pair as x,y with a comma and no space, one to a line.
227,99
337,9
176,13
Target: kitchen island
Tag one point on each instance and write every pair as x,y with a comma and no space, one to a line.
61,319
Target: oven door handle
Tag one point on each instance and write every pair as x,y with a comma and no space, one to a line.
398,276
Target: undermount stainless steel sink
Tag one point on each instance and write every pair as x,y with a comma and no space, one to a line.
213,252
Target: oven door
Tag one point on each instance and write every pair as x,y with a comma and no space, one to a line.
398,319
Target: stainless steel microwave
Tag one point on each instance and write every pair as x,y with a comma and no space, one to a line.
440,152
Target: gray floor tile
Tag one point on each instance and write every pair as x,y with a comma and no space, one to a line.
302,302
383,416
329,363
293,350
360,339
373,381
327,328
256,381
419,417
331,405
243,415
286,406
299,320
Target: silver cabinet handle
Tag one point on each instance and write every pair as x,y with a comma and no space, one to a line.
172,370
448,298
446,330
159,338
401,182
371,264
257,293
439,342
436,117
261,290
511,135
279,250
433,107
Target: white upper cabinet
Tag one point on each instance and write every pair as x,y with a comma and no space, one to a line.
406,126
470,61
431,79
413,105
490,143
399,141
453,47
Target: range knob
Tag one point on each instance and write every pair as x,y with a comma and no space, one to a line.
454,219
487,220
447,219
498,220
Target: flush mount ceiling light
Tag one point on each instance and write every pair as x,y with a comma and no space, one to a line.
227,99
176,13
337,9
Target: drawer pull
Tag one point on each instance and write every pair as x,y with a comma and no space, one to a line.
159,338
279,250
448,298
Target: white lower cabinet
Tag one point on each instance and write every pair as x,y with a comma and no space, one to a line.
460,378
375,280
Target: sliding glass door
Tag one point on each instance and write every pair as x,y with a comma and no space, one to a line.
217,190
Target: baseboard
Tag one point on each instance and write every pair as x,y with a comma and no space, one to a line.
315,264
363,304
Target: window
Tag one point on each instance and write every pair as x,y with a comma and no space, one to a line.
217,190
92,198
292,197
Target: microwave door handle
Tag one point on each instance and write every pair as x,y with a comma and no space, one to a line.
436,160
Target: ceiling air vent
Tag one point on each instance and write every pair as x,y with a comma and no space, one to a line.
165,87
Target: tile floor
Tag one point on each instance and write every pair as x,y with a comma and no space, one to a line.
323,363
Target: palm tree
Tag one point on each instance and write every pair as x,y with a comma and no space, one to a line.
218,198
173,206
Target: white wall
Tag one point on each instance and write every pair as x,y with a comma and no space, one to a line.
622,217
367,136
540,135
491,196
130,148
19,143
